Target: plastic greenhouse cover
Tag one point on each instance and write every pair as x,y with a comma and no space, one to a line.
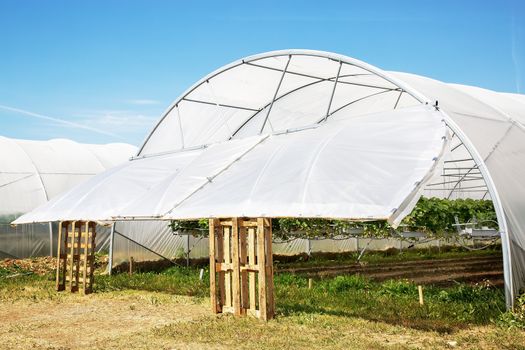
386,157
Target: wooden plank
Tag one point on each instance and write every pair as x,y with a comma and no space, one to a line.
243,256
227,260
250,268
59,258
220,255
236,288
269,270
248,223
252,262
261,261
85,259
93,237
71,236
213,291
76,258
223,267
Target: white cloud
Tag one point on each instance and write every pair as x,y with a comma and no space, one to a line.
60,122
143,102
122,120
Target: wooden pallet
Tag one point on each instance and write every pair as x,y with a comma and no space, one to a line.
241,265
75,256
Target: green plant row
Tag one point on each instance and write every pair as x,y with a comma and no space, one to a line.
434,216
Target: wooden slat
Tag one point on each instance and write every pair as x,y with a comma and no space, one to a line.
261,261
269,271
250,268
71,235
223,267
213,290
243,256
251,262
93,237
59,258
249,223
85,258
227,260
236,288
220,254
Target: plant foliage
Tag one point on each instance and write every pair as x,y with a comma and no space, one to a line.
434,216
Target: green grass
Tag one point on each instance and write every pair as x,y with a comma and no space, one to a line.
394,302
336,313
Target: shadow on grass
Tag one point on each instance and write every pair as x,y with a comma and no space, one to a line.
434,325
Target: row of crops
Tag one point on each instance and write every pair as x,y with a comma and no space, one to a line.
434,216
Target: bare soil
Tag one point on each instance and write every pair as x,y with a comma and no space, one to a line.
101,320
443,272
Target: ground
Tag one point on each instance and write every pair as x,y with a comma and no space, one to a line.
171,310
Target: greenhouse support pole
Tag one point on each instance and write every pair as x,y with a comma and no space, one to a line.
111,242
50,238
308,247
187,250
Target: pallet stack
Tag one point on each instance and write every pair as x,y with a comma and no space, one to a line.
76,256
241,267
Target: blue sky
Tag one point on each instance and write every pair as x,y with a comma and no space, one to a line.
104,71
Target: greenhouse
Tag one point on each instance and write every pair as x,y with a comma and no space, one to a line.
33,172
313,134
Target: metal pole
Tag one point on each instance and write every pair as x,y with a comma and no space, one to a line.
111,240
188,250
50,239
275,95
498,207
308,247
333,90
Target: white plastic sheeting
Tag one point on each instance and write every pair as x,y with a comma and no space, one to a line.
31,172
308,133
494,123
331,170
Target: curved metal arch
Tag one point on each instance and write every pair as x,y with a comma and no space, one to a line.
321,54
509,290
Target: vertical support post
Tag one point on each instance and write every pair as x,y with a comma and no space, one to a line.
87,249
251,275
93,230
111,247
187,250
213,267
308,247
220,254
227,264
244,274
269,268
236,288
59,282
261,262
50,225
71,257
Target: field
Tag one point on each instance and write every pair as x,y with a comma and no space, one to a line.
342,310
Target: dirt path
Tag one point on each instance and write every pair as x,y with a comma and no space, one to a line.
435,271
119,319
